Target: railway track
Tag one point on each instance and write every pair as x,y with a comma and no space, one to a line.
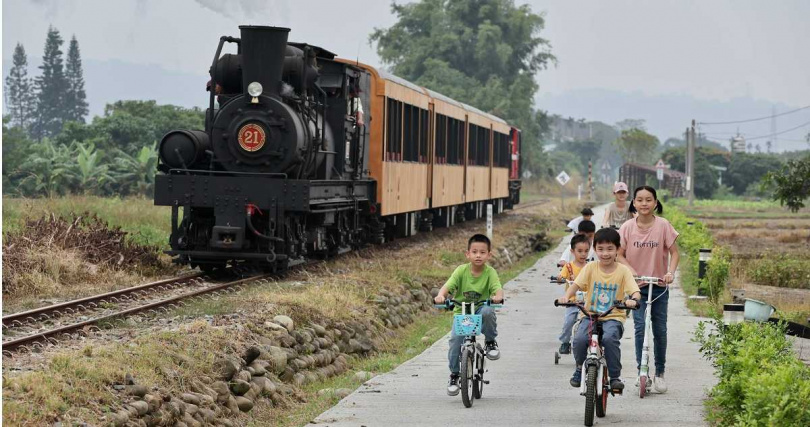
529,204
33,329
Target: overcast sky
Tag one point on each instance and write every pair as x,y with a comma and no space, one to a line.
709,49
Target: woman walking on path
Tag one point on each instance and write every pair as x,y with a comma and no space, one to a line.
617,212
648,247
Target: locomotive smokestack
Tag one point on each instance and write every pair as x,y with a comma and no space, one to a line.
262,50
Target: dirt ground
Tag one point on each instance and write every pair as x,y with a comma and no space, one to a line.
761,234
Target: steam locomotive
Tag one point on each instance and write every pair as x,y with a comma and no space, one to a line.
290,166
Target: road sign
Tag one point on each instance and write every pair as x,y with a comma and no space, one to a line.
527,174
659,170
563,178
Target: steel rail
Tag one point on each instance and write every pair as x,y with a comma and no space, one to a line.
12,345
44,313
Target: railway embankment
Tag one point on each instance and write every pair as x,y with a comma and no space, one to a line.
276,352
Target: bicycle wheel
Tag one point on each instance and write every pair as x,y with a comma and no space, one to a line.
478,379
601,401
642,386
467,372
590,394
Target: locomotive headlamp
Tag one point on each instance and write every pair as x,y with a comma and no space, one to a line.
255,89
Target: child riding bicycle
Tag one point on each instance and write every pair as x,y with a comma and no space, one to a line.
473,282
586,228
603,282
580,248
586,215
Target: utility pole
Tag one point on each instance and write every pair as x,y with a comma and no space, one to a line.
590,181
686,162
690,178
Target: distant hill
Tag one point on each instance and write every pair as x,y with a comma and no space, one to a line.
668,115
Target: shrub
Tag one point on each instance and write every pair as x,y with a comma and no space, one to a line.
784,270
717,272
692,238
761,382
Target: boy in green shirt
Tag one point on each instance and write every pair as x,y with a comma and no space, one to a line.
473,282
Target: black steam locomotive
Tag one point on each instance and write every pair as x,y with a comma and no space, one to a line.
269,179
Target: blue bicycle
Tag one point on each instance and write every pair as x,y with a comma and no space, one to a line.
472,357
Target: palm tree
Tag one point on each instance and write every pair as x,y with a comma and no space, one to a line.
88,173
136,174
47,170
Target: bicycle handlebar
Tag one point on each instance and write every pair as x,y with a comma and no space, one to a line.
451,303
616,304
560,280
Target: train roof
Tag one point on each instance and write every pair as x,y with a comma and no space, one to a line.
399,80
385,75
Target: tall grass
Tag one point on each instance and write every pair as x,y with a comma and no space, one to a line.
146,223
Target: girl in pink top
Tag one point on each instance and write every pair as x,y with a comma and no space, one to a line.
648,247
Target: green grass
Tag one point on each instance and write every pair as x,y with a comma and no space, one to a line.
146,224
763,205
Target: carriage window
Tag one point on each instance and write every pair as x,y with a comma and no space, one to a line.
452,145
410,133
461,137
440,139
472,145
503,150
394,130
424,123
483,147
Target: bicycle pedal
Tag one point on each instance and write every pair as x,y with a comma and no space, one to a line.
616,391
486,381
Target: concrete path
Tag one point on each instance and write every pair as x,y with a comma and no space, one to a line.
526,387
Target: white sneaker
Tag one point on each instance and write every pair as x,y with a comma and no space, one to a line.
660,384
452,386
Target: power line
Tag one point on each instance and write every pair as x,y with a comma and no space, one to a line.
770,135
778,133
756,119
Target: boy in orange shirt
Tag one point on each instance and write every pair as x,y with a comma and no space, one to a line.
580,248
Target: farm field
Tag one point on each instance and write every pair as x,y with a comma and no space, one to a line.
768,246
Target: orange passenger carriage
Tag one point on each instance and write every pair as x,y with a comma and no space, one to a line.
437,161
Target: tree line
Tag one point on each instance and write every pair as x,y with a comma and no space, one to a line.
49,149
43,104
114,155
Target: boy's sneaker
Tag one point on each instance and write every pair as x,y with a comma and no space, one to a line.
492,351
565,348
452,385
616,384
660,384
576,379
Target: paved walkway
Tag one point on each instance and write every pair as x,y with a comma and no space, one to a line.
526,387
